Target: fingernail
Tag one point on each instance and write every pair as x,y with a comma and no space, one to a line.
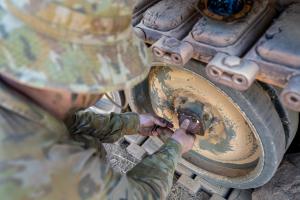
170,125
185,124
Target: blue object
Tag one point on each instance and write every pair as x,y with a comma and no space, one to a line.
225,7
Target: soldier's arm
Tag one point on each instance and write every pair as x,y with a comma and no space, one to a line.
153,177
43,163
150,179
105,127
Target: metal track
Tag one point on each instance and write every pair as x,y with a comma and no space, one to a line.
237,53
141,146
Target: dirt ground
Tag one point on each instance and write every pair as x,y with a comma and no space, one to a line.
122,162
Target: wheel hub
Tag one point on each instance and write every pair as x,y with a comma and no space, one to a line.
244,140
179,94
195,116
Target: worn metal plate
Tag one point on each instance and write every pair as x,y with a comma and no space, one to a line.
220,34
281,43
168,14
210,36
140,8
278,51
168,17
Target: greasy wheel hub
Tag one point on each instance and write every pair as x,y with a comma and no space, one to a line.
197,124
228,147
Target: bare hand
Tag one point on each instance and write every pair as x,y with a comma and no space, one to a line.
149,124
186,140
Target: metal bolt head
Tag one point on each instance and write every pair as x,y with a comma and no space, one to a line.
232,61
171,42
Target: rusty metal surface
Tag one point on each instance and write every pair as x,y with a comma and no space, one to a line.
172,51
284,3
158,16
210,36
222,34
232,71
277,52
177,32
281,43
207,36
168,17
140,8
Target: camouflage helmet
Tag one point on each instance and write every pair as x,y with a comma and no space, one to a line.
83,46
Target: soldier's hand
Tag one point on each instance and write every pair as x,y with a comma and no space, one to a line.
149,124
186,140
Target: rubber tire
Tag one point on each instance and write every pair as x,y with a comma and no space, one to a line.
289,118
257,105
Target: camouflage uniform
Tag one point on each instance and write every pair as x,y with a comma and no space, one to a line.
42,157
39,160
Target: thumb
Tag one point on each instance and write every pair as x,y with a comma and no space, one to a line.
185,124
160,122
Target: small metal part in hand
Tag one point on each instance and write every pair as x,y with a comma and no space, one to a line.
196,126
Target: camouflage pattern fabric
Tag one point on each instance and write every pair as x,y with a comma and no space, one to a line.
76,45
39,159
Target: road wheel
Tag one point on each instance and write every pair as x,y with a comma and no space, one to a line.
245,139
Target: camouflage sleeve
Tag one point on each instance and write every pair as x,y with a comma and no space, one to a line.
154,175
38,162
106,128
150,179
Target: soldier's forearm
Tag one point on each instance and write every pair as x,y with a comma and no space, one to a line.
157,171
107,128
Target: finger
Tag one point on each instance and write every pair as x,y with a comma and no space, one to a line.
169,124
166,122
185,124
145,131
155,133
160,122
162,131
